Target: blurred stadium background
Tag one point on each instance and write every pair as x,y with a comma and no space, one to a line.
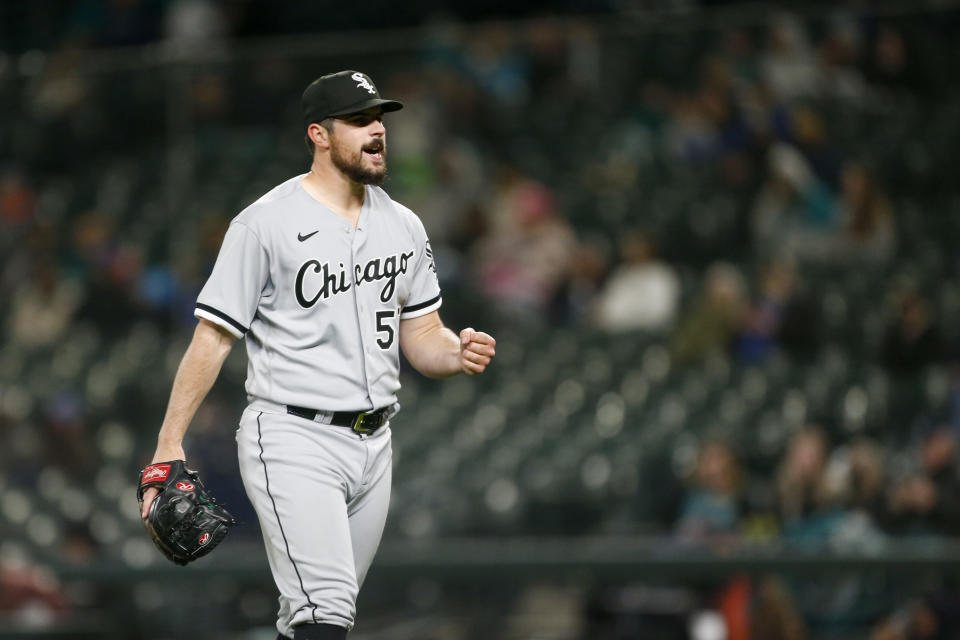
719,245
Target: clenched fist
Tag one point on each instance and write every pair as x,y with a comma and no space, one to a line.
476,351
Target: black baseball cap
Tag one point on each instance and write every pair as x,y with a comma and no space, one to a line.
340,94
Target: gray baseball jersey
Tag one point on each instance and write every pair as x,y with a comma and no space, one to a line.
319,301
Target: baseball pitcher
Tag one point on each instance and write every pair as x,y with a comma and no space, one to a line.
324,276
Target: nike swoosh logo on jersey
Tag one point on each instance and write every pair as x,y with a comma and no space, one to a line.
302,237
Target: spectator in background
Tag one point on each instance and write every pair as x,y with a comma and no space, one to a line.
774,613
738,51
642,293
838,53
788,66
526,259
935,616
809,134
709,125
709,325
590,265
798,215
800,475
831,608
867,476
844,501
732,131
42,308
712,507
866,216
892,66
794,215
927,499
815,499
779,316
912,341
688,135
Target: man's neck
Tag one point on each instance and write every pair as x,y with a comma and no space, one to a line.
332,189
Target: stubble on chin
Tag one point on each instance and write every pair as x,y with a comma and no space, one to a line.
352,167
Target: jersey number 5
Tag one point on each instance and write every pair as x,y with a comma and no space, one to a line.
384,326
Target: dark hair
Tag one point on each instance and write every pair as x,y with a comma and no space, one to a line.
326,123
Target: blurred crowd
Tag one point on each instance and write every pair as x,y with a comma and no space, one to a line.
849,493
521,214
712,191
848,497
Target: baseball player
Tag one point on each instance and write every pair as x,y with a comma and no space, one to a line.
324,276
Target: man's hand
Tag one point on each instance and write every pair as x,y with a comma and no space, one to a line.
476,351
185,521
163,454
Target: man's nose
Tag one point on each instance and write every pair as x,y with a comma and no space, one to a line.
377,129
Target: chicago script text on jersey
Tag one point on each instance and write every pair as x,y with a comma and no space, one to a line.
324,282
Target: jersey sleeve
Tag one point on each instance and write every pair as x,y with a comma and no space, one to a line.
424,288
232,292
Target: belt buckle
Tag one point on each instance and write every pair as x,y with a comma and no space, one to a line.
358,424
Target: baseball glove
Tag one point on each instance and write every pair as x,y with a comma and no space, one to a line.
184,521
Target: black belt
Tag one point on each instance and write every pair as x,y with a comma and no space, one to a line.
363,422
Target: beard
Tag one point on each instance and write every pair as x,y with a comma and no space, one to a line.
351,164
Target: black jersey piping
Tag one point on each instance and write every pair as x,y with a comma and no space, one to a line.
220,314
313,613
422,305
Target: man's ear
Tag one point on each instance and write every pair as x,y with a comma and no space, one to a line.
319,135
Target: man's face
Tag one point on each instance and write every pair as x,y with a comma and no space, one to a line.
358,146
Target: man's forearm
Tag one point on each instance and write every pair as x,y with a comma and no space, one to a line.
196,374
436,353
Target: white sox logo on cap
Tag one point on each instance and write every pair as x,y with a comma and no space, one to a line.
363,82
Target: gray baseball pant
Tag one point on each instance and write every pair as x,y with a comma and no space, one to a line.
321,493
